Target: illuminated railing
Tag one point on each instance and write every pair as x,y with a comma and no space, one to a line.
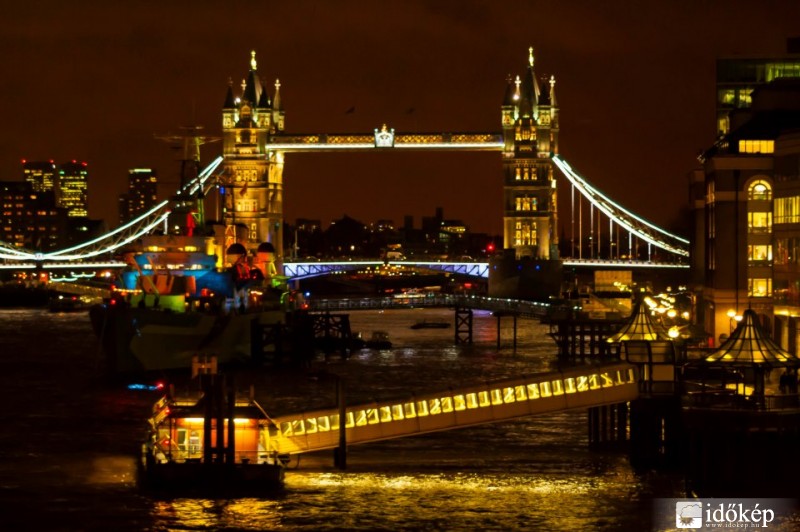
467,406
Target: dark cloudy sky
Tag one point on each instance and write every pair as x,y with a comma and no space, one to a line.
95,80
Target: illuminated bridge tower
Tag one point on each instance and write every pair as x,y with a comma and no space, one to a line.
530,266
252,174
530,134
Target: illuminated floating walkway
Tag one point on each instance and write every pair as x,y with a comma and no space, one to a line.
455,408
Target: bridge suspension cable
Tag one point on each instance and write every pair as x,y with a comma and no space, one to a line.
120,236
634,224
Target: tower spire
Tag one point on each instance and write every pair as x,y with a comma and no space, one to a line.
253,63
276,101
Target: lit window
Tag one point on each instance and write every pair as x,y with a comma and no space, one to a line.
756,146
759,287
759,222
759,253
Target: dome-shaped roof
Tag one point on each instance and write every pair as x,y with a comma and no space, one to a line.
236,249
266,247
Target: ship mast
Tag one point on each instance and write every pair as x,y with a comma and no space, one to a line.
189,142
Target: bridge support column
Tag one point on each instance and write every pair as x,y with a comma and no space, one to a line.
499,316
607,425
463,329
340,452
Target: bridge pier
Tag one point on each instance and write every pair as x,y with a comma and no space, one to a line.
499,315
463,329
608,425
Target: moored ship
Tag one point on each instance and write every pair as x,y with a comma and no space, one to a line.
209,442
195,288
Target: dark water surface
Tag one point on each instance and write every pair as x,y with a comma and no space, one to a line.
69,441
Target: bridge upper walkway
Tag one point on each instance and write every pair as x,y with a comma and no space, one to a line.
466,406
514,306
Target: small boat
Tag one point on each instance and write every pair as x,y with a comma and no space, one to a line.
435,324
210,443
378,340
68,303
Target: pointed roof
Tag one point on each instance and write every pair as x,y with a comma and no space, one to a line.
252,88
748,345
229,101
530,90
511,90
640,326
263,101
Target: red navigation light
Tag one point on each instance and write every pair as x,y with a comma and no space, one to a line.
24,161
74,161
490,247
159,386
84,163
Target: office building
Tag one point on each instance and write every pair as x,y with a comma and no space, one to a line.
72,188
40,174
737,77
142,194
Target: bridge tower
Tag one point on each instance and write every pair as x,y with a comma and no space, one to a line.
530,135
252,175
529,266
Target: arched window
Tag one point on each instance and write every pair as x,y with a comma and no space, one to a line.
759,190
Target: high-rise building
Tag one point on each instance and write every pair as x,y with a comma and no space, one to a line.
72,187
30,219
737,77
142,194
253,175
40,174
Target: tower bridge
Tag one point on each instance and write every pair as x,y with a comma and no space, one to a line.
249,178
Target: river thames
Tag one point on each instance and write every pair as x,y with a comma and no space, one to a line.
70,439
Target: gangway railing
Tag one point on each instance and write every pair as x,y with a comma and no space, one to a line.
478,404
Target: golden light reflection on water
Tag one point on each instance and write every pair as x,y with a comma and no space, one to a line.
458,482
209,514
112,470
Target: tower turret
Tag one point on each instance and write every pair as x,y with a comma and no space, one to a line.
508,115
277,107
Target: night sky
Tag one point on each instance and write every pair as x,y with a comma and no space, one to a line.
95,81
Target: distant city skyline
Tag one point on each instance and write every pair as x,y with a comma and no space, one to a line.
635,87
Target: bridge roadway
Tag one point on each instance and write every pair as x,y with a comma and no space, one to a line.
466,406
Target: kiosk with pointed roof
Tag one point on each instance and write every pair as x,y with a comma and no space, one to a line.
645,343
746,358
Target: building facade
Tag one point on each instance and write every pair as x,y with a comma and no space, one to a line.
738,77
40,174
746,252
252,176
142,194
30,219
72,189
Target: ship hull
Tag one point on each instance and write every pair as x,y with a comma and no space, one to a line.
136,340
